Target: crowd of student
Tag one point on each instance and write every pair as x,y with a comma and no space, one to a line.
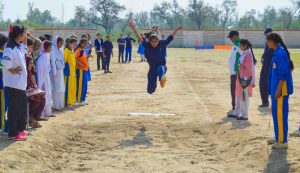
45,74
51,74
275,81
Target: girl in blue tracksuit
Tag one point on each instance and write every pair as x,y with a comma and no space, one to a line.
280,88
155,52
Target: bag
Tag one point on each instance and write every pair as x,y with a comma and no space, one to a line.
245,82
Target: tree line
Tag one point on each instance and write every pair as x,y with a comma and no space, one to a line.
109,15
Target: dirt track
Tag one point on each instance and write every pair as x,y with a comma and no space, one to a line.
101,137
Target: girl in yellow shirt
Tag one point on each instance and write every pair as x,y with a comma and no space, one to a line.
70,74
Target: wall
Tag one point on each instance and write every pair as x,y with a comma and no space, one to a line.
211,37
188,37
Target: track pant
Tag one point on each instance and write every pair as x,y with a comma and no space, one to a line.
128,54
121,55
89,77
82,83
264,87
17,111
232,90
242,106
143,58
107,62
4,106
154,72
100,56
280,111
70,95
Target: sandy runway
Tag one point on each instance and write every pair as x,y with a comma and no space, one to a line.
101,137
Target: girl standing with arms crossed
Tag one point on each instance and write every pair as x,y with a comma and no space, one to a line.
280,88
15,82
155,51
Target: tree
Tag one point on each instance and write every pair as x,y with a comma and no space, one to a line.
293,11
34,15
269,17
1,11
198,12
80,16
177,11
229,10
129,17
104,13
142,19
248,20
162,14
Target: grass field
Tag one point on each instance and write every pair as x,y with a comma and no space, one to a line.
101,137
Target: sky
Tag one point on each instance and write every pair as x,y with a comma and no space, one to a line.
17,9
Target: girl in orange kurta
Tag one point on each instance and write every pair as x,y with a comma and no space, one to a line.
245,81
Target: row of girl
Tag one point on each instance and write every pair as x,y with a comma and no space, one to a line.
241,65
40,72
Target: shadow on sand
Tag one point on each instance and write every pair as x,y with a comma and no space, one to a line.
277,162
4,143
138,139
236,124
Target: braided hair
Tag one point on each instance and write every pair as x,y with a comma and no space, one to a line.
249,46
278,40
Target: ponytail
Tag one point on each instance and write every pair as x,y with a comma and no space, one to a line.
278,40
287,51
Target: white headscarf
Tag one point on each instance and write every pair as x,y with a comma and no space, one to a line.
57,57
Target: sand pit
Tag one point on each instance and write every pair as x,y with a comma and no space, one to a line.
101,137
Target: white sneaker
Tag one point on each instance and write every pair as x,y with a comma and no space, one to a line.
295,133
271,141
230,112
83,103
280,146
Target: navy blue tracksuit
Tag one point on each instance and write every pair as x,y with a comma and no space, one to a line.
108,48
156,58
128,52
121,49
264,75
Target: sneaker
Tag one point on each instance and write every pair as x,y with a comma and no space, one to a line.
242,118
271,141
231,115
280,146
163,81
18,138
24,133
230,112
295,133
83,103
264,106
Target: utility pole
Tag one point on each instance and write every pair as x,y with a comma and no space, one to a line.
63,12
